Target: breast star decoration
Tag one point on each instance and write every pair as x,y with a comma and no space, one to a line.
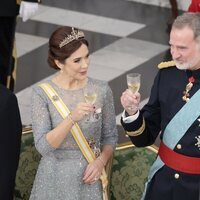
198,141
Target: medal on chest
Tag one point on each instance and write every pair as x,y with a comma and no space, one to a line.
186,94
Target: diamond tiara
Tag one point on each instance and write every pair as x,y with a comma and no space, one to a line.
75,35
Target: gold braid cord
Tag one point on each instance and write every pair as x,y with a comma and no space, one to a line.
137,132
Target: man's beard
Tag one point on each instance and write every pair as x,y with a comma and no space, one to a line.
183,66
187,65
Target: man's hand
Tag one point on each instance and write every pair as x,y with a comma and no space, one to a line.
130,101
27,10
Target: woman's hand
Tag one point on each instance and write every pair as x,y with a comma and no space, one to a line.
93,172
130,101
82,110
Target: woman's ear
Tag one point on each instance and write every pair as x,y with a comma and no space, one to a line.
59,64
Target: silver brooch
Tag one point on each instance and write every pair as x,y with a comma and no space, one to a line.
55,98
198,141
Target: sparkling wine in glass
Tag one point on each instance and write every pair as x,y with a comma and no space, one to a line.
133,82
90,96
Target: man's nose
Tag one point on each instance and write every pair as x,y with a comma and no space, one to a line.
175,53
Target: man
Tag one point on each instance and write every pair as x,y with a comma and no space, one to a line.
173,111
10,137
9,10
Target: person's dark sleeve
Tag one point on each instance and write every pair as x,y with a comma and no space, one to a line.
144,130
10,132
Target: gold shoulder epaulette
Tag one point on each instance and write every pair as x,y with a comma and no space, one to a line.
166,64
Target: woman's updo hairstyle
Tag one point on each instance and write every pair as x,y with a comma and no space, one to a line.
63,42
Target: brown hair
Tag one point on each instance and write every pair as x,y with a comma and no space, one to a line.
60,54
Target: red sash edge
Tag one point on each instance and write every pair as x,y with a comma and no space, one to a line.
179,162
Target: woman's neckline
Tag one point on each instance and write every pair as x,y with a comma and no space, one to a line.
68,89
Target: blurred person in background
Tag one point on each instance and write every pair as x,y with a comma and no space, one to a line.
10,134
194,6
9,11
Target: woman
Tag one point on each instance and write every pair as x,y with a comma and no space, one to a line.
63,172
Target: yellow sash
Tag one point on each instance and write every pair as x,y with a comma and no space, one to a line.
76,132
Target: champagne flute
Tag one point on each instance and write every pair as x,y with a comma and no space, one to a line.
90,97
133,82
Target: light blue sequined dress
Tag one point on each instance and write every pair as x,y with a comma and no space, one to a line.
60,172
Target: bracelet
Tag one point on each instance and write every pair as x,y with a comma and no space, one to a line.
100,158
70,118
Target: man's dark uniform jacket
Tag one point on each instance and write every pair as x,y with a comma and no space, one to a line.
165,101
10,137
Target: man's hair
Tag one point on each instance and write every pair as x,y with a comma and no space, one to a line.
191,20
